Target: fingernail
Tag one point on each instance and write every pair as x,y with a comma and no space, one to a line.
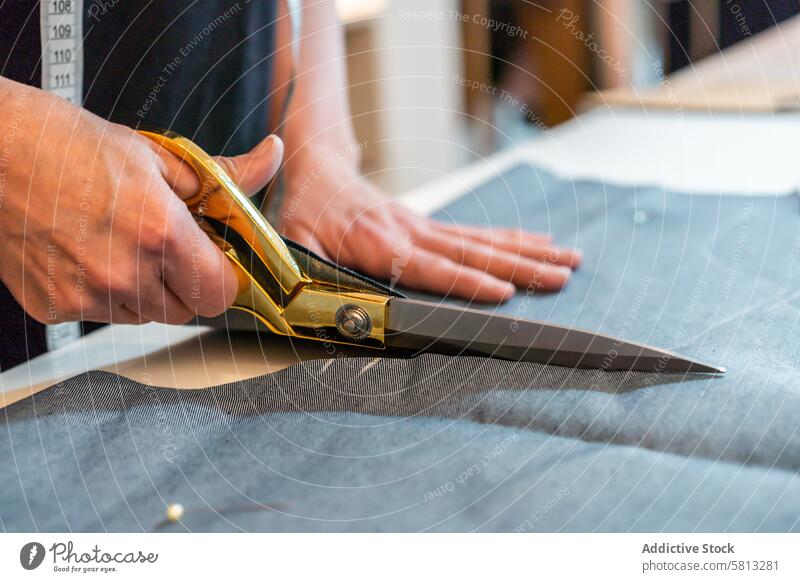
269,144
509,290
565,271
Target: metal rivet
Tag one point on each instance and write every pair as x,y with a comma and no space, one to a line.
353,322
174,512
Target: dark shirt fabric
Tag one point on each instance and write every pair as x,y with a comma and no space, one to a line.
201,68
438,443
738,21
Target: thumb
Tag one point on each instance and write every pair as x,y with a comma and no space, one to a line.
250,171
253,170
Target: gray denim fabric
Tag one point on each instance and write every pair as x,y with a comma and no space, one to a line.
460,444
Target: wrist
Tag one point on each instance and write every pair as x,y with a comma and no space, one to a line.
307,140
316,158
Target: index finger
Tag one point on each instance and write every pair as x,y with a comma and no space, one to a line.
195,269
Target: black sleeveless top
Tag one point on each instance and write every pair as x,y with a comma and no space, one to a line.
737,22
200,67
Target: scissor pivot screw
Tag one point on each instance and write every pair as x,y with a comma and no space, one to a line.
353,322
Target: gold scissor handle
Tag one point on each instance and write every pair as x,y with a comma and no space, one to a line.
272,286
221,200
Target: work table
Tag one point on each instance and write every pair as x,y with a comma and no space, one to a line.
676,148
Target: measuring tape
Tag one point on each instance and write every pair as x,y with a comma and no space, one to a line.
62,74
62,58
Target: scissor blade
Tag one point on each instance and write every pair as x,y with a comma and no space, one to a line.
424,326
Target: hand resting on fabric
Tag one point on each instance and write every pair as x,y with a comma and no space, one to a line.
346,218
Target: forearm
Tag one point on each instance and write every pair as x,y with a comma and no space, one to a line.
318,122
613,16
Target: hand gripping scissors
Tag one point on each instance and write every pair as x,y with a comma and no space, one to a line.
291,292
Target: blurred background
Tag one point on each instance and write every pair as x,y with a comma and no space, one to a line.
436,84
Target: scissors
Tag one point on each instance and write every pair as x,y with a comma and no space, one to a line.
294,293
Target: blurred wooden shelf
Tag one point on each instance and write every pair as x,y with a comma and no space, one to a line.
731,96
757,75
358,11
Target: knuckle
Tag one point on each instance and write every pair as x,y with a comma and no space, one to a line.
206,296
231,167
212,304
179,319
154,237
119,285
366,224
423,267
72,307
109,281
